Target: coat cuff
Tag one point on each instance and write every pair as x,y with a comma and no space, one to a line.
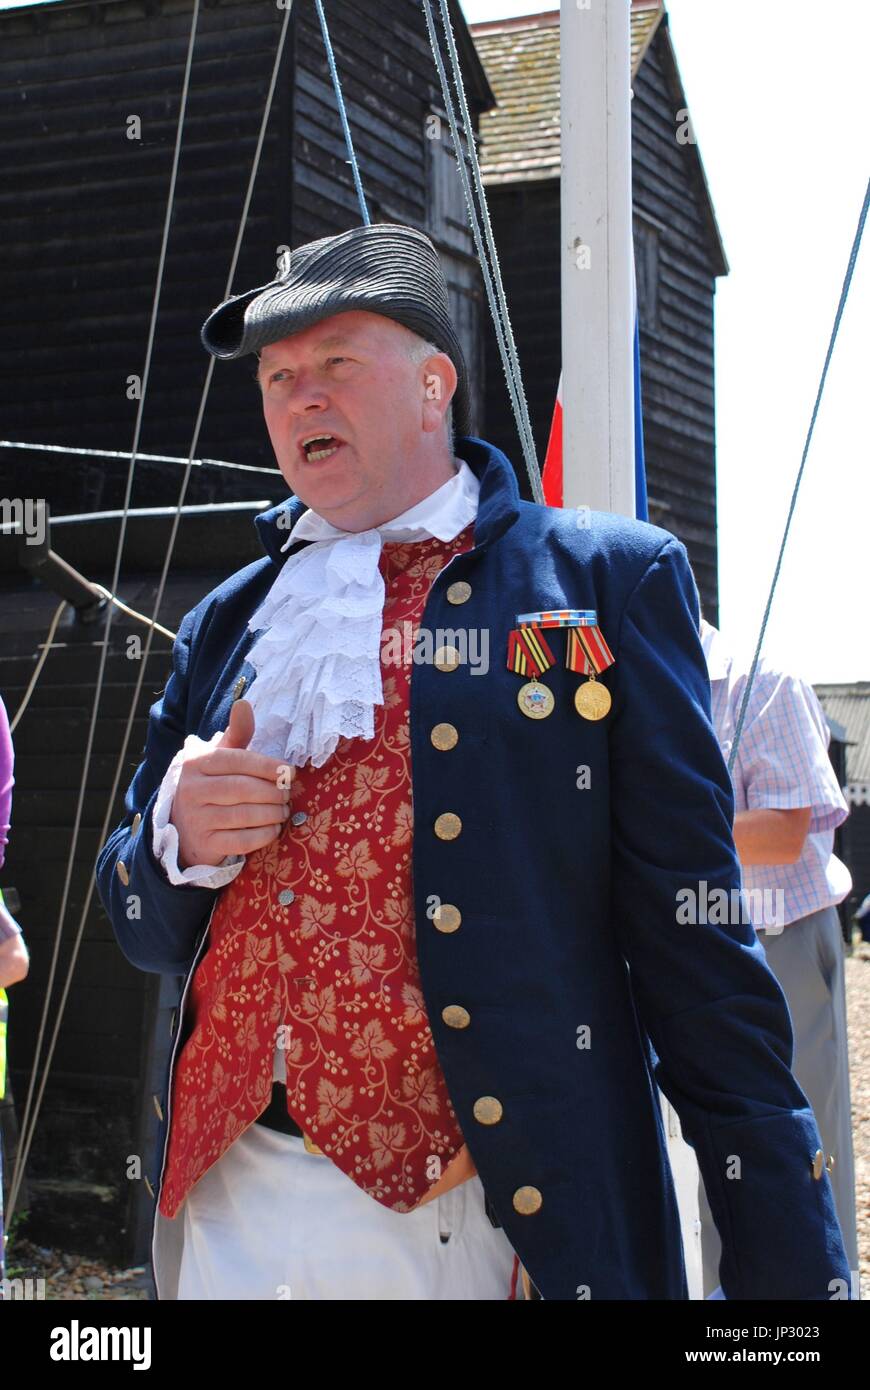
165,836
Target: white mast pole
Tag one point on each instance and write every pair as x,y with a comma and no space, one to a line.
597,302
598,342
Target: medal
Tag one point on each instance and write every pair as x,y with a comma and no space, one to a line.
529,655
592,699
535,700
589,654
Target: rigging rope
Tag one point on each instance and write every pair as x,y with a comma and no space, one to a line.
339,97
28,1126
844,294
510,362
151,458
497,299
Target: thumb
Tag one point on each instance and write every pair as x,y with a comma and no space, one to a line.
240,729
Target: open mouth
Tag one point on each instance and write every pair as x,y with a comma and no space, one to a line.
320,447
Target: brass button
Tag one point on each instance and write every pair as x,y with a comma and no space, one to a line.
122,872
239,686
527,1200
310,1146
137,821
446,918
445,736
150,1188
446,659
455,1016
158,1108
460,592
488,1110
818,1164
830,1163
447,826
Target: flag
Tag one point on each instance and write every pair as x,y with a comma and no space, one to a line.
552,479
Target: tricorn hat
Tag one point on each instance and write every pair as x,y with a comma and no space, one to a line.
385,268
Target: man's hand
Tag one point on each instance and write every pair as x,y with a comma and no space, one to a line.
228,800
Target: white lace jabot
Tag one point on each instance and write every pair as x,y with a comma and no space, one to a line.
317,658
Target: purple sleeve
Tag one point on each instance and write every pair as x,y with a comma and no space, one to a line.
7,758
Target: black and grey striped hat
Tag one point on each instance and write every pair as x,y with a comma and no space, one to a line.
385,268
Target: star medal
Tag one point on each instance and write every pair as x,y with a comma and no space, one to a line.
529,654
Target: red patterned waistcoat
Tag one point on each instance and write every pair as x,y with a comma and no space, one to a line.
312,946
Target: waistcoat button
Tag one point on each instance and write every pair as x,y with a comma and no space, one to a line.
460,592
299,817
286,896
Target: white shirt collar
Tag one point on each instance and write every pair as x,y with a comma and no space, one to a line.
443,514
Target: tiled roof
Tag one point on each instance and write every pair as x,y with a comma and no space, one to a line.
521,137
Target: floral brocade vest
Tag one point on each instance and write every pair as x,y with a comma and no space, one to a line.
312,948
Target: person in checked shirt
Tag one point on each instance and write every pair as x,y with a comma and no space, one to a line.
787,806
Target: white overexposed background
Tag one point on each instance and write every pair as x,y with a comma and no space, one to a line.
778,102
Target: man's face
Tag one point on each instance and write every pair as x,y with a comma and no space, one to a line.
349,377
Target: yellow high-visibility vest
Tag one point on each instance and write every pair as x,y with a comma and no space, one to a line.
4,1015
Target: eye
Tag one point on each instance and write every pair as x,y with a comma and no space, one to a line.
336,359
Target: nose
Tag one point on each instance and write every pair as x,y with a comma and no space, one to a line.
305,393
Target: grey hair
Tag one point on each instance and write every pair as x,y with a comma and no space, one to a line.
418,350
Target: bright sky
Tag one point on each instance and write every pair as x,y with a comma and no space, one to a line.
778,102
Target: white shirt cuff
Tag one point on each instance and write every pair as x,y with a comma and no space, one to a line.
165,835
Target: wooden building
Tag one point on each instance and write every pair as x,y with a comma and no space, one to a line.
89,102
678,256
848,706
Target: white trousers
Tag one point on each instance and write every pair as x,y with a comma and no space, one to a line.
271,1221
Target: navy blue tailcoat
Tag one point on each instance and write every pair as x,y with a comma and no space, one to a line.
584,986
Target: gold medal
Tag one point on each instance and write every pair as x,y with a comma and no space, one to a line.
535,700
592,699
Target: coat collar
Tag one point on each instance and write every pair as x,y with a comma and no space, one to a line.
497,508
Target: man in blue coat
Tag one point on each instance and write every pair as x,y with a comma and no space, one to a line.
582,839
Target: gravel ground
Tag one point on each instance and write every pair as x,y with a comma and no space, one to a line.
75,1277
858,1007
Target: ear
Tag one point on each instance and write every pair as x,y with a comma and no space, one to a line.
439,380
